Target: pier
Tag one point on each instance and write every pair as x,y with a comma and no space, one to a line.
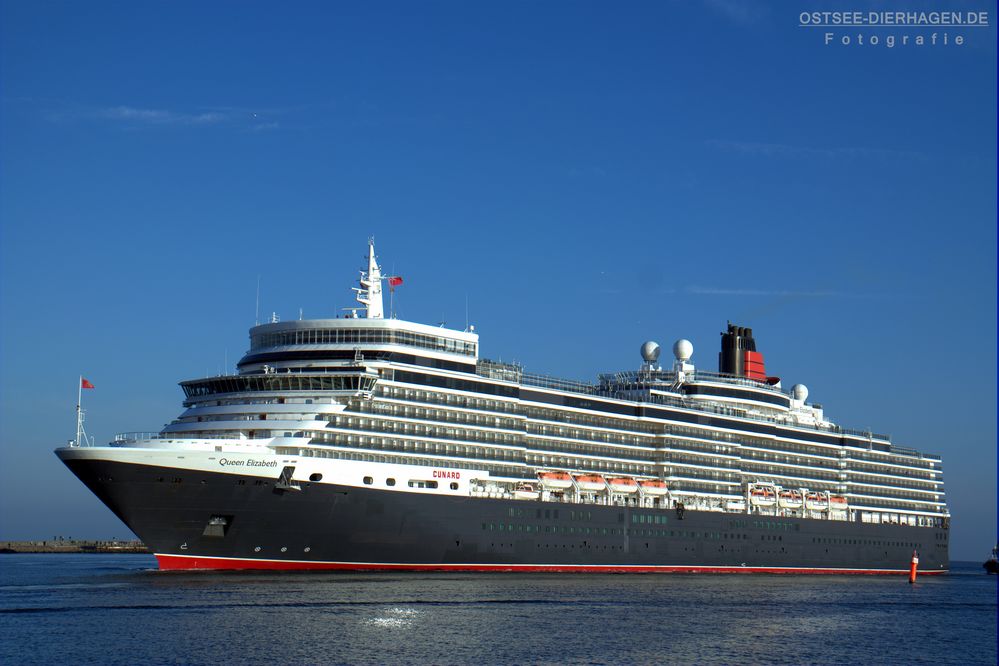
60,545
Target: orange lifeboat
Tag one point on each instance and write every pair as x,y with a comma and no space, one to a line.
590,482
555,480
816,502
790,499
653,487
624,485
837,502
762,496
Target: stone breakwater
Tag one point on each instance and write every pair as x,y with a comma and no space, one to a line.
72,546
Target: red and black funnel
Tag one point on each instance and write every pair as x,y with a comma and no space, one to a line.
739,357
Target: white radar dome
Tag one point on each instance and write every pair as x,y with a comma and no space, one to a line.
650,351
799,392
683,350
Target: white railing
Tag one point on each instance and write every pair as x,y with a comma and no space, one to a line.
135,436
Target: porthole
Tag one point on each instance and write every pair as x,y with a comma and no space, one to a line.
284,549
389,482
316,477
454,485
256,549
368,480
308,548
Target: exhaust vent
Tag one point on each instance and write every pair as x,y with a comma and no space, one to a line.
739,357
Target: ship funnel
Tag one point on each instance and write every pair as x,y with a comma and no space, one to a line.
738,354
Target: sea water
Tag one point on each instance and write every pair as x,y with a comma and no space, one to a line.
118,609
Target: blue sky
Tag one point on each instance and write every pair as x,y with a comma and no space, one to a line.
586,175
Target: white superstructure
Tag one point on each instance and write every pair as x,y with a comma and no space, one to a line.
396,395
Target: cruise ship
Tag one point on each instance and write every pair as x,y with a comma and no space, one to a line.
365,442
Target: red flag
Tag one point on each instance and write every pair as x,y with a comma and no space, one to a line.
85,384
395,281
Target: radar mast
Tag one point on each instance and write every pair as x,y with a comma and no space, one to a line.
369,294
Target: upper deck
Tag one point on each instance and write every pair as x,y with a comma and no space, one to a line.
349,355
307,339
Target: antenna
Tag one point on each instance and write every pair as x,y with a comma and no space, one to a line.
466,311
256,314
79,410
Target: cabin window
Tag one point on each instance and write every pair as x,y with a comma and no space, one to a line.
454,485
316,477
389,482
368,480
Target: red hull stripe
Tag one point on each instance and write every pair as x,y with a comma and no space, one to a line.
189,562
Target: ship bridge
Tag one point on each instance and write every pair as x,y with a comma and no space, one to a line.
312,343
305,345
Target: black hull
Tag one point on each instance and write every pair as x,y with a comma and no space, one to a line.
328,526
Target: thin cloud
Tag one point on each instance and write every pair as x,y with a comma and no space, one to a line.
776,293
132,117
264,127
132,114
790,151
721,291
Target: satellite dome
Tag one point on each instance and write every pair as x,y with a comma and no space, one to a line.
683,350
799,392
650,351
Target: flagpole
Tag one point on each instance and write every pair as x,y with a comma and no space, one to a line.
79,411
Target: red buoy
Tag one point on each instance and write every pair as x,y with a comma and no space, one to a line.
913,566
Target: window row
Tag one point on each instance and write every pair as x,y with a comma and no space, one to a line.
444,398
346,336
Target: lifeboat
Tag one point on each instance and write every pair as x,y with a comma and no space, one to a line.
816,502
525,491
590,482
790,499
653,487
555,480
624,485
837,502
762,496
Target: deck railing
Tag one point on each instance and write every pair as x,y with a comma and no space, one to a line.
515,373
135,436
